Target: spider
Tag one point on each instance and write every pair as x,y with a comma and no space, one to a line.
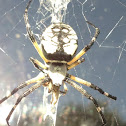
59,44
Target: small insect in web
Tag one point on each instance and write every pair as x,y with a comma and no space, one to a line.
59,44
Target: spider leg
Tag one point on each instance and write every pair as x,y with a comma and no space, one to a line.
37,64
82,91
55,94
26,83
79,61
87,47
31,35
27,92
65,89
88,84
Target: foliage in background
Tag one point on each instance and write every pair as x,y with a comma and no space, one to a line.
75,115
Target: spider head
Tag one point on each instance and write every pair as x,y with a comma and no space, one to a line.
57,73
59,42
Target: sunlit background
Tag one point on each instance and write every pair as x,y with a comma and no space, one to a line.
105,63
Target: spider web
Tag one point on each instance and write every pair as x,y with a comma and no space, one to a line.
105,61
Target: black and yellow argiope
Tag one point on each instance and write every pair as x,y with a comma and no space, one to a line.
58,47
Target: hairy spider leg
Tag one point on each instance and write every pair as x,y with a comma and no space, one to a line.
65,89
79,61
88,84
87,95
31,35
26,93
26,83
38,64
87,47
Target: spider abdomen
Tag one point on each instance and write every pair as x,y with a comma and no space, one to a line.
59,42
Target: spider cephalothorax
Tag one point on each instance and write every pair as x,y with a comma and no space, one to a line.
57,72
58,48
